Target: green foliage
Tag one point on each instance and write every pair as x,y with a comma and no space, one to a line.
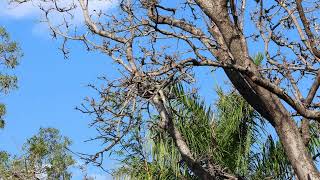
162,162
7,82
258,59
272,162
45,155
230,139
9,50
4,159
314,143
235,132
195,122
2,113
10,53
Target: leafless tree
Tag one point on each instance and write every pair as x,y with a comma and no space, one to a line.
158,43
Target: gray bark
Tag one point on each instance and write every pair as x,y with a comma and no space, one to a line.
262,100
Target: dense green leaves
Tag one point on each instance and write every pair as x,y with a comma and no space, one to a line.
45,156
272,162
9,56
231,137
235,132
258,59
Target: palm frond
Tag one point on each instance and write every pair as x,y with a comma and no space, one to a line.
227,136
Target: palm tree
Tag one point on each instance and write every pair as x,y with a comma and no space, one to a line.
233,136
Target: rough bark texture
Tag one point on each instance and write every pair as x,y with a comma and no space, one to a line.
267,104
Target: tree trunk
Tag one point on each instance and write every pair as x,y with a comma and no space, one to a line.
234,50
270,107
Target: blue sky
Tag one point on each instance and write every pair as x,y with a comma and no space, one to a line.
50,87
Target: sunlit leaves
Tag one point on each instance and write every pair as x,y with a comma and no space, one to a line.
9,50
45,155
231,136
10,54
257,59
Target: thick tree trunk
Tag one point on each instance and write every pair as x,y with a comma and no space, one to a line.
234,50
270,107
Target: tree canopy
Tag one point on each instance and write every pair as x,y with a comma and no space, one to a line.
233,136
10,54
45,155
157,44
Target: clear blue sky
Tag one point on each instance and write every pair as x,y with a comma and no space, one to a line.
50,87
